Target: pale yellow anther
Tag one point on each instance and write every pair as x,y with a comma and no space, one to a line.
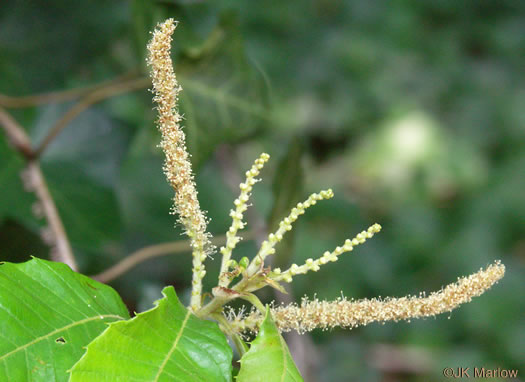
348,247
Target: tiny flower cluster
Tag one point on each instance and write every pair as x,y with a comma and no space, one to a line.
314,265
237,223
268,246
253,275
316,314
177,166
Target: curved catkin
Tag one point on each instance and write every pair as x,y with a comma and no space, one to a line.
177,166
316,314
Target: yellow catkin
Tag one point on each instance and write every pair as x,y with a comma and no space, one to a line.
177,166
314,265
268,246
345,313
237,217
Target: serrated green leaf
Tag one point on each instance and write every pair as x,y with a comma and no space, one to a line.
268,359
166,343
48,313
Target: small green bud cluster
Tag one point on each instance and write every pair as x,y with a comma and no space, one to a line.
314,265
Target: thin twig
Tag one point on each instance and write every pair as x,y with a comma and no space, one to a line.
60,95
62,249
56,234
89,100
16,134
150,252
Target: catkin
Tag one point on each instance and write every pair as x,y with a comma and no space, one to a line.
316,314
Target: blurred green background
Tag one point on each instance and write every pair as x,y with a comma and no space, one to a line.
412,112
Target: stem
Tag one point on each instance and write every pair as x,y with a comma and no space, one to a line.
240,345
212,307
147,253
91,98
60,95
38,184
254,300
217,302
16,134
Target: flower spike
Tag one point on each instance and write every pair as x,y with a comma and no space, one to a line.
240,207
345,313
314,265
177,166
267,247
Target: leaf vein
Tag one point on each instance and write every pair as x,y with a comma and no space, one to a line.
41,338
175,343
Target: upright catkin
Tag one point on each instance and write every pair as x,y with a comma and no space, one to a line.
177,166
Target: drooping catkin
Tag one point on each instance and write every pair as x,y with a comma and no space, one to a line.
177,166
316,314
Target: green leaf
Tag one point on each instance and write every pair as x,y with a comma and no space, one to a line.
268,359
166,343
88,208
145,14
82,177
16,203
48,313
224,97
